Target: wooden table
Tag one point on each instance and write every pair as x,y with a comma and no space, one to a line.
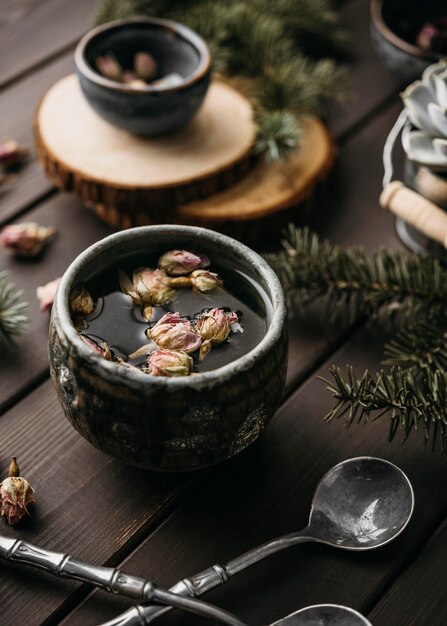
166,527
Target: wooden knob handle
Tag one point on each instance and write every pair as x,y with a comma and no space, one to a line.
416,210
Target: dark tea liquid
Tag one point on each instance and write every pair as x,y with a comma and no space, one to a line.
119,322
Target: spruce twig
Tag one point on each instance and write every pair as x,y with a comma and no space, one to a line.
13,318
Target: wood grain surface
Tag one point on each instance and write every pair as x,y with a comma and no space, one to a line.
166,527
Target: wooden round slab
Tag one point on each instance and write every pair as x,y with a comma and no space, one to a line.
204,175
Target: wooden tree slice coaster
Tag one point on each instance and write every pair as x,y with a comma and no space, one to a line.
103,164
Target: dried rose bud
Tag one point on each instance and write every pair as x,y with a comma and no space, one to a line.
145,66
108,66
11,153
81,302
205,281
47,293
131,367
102,350
148,288
169,363
174,333
27,239
433,35
181,262
16,495
214,328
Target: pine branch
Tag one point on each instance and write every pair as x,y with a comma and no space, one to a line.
352,280
411,401
13,319
278,134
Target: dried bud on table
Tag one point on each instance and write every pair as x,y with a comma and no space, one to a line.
181,262
27,239
169,363
16,495
174,333
214,328
11,153
148,288
46,294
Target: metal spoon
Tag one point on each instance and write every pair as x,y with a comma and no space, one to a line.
360,504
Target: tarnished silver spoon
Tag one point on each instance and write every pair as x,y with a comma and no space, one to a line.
360,504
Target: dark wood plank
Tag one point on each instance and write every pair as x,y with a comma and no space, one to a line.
266,492
418,596
26,363
31,31
86,503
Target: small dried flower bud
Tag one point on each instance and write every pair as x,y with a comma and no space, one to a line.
148,288
11,153
170,80
145,66
47,293
169,363
108,66
16,495
205,281
27,239
13,468
174,333
214,328
433,35
181,262
81,302
102,350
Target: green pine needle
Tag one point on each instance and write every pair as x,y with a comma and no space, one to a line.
13,318
278,135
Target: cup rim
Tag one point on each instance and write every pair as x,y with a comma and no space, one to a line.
181,30
116,372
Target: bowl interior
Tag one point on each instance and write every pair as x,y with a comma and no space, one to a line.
405,18
170,46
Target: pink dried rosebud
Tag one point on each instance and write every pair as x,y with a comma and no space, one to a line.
16,495
148,288
181,262
27,239
169,363
46,294
174,333
11,153
205,281
108,66
102,350
214,328
81,302
145,66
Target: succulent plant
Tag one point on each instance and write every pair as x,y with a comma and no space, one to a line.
425,136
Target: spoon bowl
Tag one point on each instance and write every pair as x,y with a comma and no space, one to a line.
324,615
361,504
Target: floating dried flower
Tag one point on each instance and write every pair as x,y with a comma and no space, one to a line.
205,281
170,80
174,333
131,367
46,294
169,363
16,495
81,302
148,288
145,66
181,262
11,153
101,350
27,239
109,67
214,328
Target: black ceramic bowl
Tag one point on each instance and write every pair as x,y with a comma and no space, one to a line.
145,110
395,25
169,423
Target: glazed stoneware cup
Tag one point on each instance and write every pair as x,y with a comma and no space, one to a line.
147,110
161,423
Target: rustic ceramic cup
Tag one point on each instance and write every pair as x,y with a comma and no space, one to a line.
147,110
169,423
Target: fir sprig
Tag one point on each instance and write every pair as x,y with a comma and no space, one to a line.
268,42
13,318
